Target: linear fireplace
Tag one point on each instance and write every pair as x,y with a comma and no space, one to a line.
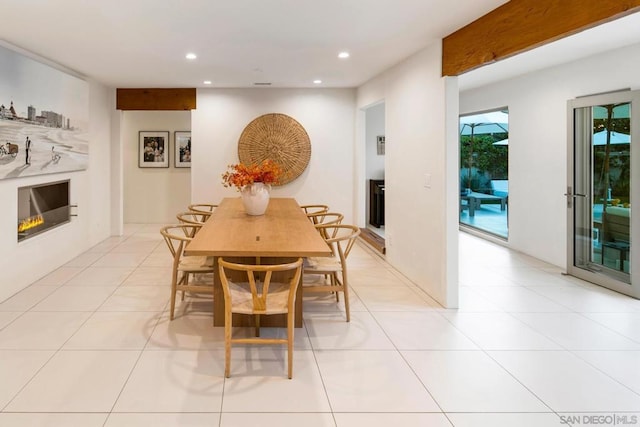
42,207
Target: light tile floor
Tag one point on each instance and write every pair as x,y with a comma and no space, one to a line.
90,344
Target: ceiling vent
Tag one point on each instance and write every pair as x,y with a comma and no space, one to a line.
262,84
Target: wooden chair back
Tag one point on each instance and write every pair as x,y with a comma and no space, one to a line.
203,209
340,237
192,218
326,218
314,209
177,236
259,282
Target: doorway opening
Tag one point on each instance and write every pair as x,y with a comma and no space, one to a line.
484,172
375,143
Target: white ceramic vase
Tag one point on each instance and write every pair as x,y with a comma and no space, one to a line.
255,198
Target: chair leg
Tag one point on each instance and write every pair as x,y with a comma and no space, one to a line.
346,297
227,344
290,325
174,286
257,320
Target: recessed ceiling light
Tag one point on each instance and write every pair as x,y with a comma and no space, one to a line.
191,55
343,55
317,81
207,82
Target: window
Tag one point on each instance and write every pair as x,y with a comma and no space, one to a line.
484,171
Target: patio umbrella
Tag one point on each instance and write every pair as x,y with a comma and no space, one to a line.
482,124
600,138
620,111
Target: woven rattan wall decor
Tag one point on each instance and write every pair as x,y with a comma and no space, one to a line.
277,137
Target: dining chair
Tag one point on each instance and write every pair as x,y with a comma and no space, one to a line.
340,238
257,295
177,237
203,209
327,218
314,209
192,218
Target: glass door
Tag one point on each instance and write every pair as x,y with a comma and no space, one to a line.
603,164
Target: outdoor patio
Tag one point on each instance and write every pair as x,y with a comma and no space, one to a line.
484,178
487,218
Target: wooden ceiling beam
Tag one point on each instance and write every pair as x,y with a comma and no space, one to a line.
521,25
156,99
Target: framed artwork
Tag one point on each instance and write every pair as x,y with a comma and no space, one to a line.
380,145
44,118
182,154
153,149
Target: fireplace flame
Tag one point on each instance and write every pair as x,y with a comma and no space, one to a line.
30,222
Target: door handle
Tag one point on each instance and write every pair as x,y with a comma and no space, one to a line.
571,195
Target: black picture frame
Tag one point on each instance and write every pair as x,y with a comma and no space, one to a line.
153,149
182,149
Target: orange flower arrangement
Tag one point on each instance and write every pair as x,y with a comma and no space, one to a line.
239,175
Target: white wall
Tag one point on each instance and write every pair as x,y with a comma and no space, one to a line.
153,195
538,141
25,262
416,216
117,174
374,127
326,114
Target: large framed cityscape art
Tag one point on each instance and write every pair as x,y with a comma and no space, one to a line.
44,118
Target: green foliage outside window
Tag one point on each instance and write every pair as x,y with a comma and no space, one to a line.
487,162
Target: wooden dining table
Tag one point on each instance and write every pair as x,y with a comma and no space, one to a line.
282,234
